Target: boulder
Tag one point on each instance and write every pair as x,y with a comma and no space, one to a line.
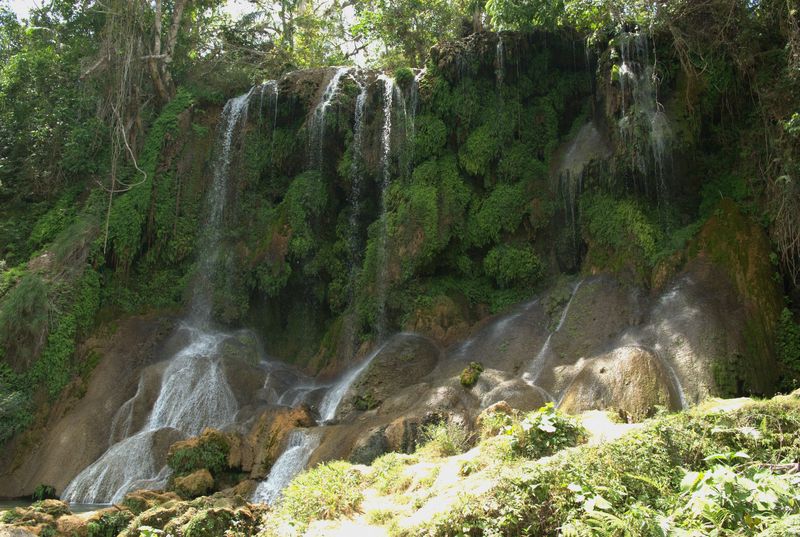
6,530
198,483
630,379
402,362
263,444
517,394
140,501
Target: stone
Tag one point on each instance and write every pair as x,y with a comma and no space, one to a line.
370,446
198,483
72,525
7,530
140,501
630,379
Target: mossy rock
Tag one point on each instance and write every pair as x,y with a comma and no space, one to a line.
198,483
740,247
210,523
140,501
208,451
469,376
109,522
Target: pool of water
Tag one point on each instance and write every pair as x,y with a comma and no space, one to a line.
74,507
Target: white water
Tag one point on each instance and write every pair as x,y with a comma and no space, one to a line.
333,398
638,76
500,61
386,149
534,370
317,126
301,444
194,392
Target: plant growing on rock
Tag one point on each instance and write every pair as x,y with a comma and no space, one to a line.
543,432
469,376
445,439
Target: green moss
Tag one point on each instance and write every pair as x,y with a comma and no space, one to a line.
502,211
430,137
513,265
208,451
130,210
470,374
788,349
620,234
109,524
480,151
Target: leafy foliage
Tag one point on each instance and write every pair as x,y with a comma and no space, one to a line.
444,438
328,491
511,265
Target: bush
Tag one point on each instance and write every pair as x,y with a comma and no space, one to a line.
325,492
512,266
543,432
788,348
208,451
502,211
44,492
469,376
444,439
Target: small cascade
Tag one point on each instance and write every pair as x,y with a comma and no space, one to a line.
643,112
333,398
356,176
382,284
233,116
586,147
300,445
500,61
194,392
533,371
317,120
270,90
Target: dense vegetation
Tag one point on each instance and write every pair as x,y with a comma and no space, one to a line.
108,117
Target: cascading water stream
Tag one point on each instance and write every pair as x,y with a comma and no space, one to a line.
193,393
382,283
500,62
534,370
333,398
637,76
300,445
317,123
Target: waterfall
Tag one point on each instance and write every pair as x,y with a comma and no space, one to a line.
300,445
356,166
638,76
531,375
317,120
382,283
333,398
499,61
194,392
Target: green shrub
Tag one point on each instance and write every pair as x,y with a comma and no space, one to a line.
502,211
543,432
619,232
480,150
403,76
109,524
788,348
387,473
209,451
326,492
511,265
469,376
444,439
430,136
44,492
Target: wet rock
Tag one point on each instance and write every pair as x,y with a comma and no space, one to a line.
446,320
263,444
517,394
196,484
208,451
370,446
54,508
630,379
402,362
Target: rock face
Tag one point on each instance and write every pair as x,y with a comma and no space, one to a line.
196,484
630,379
86,423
